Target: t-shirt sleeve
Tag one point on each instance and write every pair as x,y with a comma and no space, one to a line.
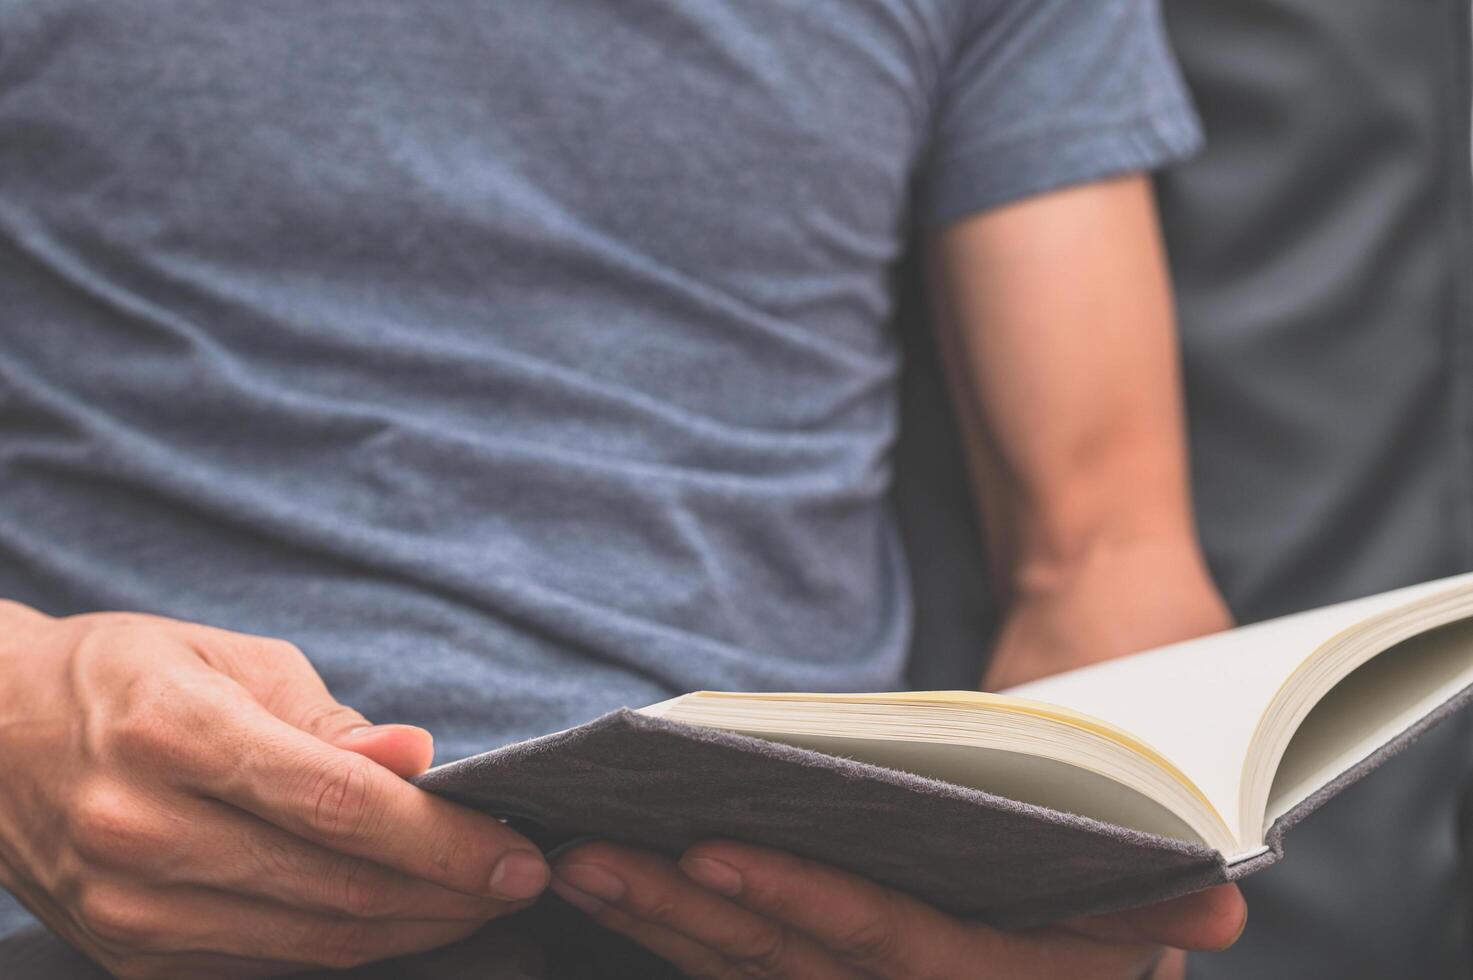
1044,94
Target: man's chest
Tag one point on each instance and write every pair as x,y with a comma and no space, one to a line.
704,133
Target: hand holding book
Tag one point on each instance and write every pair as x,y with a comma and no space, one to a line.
730,909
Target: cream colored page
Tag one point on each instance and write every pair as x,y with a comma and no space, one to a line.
1369,708
1042,782
1199,702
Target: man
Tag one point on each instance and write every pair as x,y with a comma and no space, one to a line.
515,362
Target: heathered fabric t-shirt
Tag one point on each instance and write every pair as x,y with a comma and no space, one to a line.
518,360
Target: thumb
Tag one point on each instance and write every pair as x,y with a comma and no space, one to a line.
281,678
403,749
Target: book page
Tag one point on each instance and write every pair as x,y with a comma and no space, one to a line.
1023,750
1042,782
1199,702
1366,710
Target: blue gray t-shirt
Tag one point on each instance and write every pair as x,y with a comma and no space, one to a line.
518,360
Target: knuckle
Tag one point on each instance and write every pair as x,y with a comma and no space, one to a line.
282,655
276,858
117,917
459,856
341,797
149,731
362,895
167,728
269,650
870,941
766,955
663,910
108,826
164,717
775,896
281,649
327,718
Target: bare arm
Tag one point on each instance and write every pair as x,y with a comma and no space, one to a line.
1056,321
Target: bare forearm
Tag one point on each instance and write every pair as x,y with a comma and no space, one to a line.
1064,350
1056,316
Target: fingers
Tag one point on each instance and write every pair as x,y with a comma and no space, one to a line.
283,681
343,802
123,962
871,927
127,922
207,843
887,933
188,765
1206,920
685,954
402,749
277,675
646,898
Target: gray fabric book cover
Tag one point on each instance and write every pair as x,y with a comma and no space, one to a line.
658,784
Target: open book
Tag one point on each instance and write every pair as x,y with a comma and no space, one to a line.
1128,781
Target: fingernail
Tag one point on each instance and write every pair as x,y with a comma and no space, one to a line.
592,880
364,731
519,875
715,875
